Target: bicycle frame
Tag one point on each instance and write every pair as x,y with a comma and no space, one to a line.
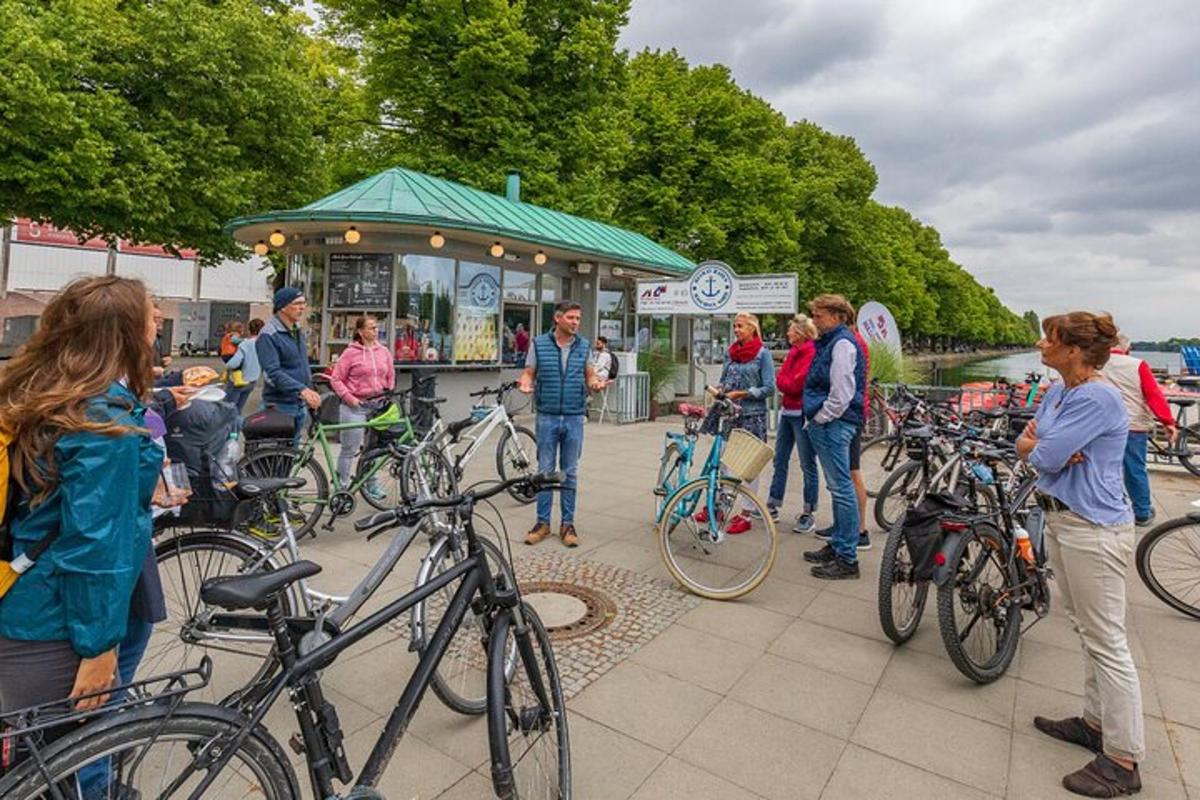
319,437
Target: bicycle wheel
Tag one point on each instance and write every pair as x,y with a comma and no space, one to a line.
184,563
875,463
897,493
1187,448
1168,561
306,504
460,680
516,455
424,473
527,716
979,620
670,475
901,599
704,558
154,755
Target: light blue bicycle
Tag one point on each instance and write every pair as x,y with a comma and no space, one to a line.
693,514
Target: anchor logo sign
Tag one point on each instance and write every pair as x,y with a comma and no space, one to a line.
711,286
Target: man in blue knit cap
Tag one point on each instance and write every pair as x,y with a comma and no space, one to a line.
283,355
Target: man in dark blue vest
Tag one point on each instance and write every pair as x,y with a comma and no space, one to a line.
833,406
558,371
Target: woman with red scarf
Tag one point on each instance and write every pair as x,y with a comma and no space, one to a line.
748,378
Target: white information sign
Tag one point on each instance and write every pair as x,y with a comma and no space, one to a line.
714,288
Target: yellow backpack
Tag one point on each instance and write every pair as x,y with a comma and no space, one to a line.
11,568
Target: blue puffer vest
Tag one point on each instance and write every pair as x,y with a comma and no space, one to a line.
817,383
557,392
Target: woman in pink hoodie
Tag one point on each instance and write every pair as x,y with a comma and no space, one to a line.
364,370
789,381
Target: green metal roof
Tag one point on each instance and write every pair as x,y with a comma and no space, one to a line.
405,197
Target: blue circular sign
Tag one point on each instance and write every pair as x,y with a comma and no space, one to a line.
483,291
711,286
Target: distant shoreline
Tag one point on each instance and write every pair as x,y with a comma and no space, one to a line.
957,359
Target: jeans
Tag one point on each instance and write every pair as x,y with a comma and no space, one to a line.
94,779
238,395
1137,480
1090,562
792,433
559,445
831,441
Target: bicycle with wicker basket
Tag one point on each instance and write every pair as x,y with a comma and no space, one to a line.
693,514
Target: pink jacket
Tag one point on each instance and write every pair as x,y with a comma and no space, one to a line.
361,373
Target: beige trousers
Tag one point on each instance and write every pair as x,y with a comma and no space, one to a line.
1090,562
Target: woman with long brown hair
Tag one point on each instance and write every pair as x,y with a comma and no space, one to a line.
72,404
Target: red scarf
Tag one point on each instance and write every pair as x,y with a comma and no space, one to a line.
741,352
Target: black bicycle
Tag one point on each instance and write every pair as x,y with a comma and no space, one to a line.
1168,561
157,744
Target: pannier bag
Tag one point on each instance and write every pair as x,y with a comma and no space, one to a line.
269,423
922,530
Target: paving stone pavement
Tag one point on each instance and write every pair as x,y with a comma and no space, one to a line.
791,692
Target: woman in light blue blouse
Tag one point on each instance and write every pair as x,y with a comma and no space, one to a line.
1076,442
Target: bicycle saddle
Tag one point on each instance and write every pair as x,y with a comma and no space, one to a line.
689,410
455,428
922,432
430,401
235,592
250,488
1182,402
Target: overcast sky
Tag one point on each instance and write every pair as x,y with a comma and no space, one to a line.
1056,146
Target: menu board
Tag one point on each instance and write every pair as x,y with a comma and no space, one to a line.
360,280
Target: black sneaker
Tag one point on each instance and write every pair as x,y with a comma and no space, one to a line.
1072,730
822,556
864,541
824,533
1103,777
772,510
836,570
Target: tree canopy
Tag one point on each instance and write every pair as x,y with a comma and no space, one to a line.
158,120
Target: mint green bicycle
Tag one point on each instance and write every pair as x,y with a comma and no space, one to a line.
378,479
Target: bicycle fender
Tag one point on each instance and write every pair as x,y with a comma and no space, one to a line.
950,542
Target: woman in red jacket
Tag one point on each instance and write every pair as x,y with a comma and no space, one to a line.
789,381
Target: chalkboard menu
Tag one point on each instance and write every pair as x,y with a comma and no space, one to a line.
360,280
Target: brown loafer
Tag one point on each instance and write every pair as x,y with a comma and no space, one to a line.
1073,730
568,536
537,533
1103,777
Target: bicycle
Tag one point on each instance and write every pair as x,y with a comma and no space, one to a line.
1186,445
1168,562
187,560
167,746
692,513
377,479
516,451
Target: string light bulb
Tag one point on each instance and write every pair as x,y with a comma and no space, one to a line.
497,250
352,235
277,238
437,241
539,258
260,248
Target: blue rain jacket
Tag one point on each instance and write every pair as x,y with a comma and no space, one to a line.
80,589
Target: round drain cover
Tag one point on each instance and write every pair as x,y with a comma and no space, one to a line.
567,609
557,610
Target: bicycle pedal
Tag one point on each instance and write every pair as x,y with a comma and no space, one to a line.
296,743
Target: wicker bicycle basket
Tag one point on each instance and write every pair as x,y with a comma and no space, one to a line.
745,455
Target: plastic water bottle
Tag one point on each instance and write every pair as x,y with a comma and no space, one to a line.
227,463
1024,546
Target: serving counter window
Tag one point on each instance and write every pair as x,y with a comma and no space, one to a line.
424,309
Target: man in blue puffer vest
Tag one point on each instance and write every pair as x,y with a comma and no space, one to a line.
558,371
833,405
283,356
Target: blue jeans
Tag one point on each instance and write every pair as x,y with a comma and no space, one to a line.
1137,480
832,443
238,395
559,445
94,779
792,433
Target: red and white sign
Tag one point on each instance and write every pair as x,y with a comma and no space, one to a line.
127,246
33,232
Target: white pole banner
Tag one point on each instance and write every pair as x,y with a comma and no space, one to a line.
877,324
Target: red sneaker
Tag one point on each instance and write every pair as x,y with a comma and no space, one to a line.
739,524
702,517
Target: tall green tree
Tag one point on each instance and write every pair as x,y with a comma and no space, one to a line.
157,120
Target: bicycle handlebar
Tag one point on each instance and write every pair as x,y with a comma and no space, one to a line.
535,483
499,390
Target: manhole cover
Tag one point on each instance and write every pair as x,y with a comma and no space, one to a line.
568,610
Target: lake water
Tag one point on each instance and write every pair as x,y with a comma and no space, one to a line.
1018,365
